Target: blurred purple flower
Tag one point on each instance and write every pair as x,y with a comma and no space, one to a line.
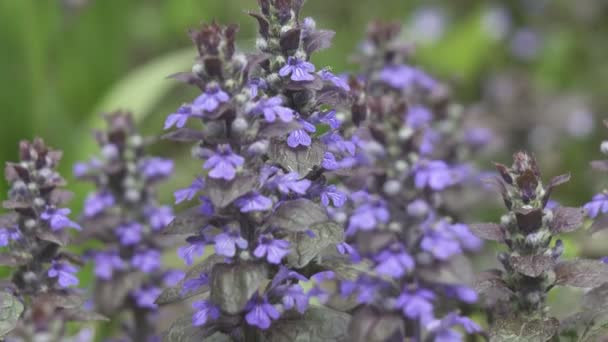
195,248
179,118
156,168
405,77
417,304
97,202
435,174
106,263
598,204
7,235
339,82
291,182
394,263
64,273
418,116
147,261
331,193
194,284
146,297
160,217
129,234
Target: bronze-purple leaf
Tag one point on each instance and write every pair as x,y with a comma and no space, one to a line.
278,128
504,172
222,193
488,231
298,215
184,134
600,165
581,273
189,221
318,40
599,224
60,196
532,265
566,219
263,25
491,287
290,40
529,220
188,78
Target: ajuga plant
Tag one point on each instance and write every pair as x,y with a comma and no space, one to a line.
262,195
40,297
532,265
404,129
125,216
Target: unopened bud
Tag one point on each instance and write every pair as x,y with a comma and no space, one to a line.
604,147
392,187
239,125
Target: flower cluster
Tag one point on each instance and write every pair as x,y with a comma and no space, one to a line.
123,213
403,129
532,265
32,237
266,144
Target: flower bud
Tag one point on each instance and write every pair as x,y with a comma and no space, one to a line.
604,147
239,125
392,187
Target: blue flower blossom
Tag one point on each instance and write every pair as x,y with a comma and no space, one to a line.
224,163
209,101
65,274
260,313
598,204
272,109
273,249
58,219
205,311
298,69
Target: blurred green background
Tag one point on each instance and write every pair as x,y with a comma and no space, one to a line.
63,62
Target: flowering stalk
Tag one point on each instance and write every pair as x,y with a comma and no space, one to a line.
263,194
408,153
40,297
532,265
123,213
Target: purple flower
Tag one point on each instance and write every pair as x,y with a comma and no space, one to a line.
155,168
339,82
294,297
106,263
418,116
330,162
7,235
160,217
403,77
330,119
209,100
64,273
224,163
58,219
226,243
416,304
394,263
599,203
129,234
605,260
188,193
285,274
299,70
194,284
442,329
366,287
96,203
260,313
468,240
465,294
81,169
337,143
435,174
253,202
291,182
179,118
271,109
525,44
146,297
332,193
195,248
173,277
300,137
274,250
367,216
255,84
205,311
478,136
146,261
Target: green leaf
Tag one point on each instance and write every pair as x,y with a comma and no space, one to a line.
301,160
10,311
182,330
298,215
518,329
318,324
232,285
304,248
